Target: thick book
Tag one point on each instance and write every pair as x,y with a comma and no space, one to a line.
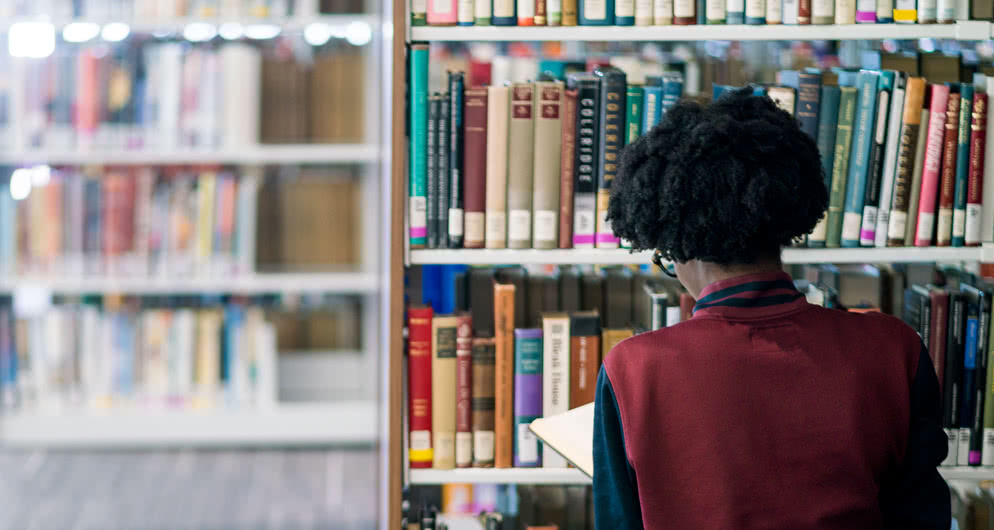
610,141
975,177
521,149
672,84
987,213
866,11
504,374
570,12
419,384
874,173
567,167
475,169
464,391
466,13
863,134
926,11
633,114
585,357
962,164
569,288
910,122
804,12
546,167
987,392
925,226
755,12
624,12
617,297
684,12
444,179
519,278
652,100
527,395
828,122
968,388
457,135
418,159
443,390
952,375
643,12
483,401
916,182
715,11
840,166
734,12
434,106
809,103
498,112
983,298
596,12
526,12
419,12
442,12
938,329
945,11
947,173
587,158
504,13
845,11
555,374
822,11
885,11
893,145
482,13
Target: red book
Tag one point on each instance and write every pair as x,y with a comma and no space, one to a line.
87,95
925,227
975,182
464,392
479,73
947,185
419,386
540,15
937,335
567,163
804,12
475,165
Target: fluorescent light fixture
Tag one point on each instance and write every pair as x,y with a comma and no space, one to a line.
115,32
20,184
231,31
358,33
199,32
262,31
80,31
317,34
35,40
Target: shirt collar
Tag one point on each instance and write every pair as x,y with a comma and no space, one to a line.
750,296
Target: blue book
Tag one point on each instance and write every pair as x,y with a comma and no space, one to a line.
717,90
859,157
875,171
431,287
808,99
758,90
653,95
969,394
672,92
554,67
962,164
602,15
702,9
828,113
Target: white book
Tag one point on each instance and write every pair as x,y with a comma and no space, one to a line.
500,71
963,451
662,12
241,70
774,11
526,9
845,11
498,111
945,11
181,352
482,9
790,12
465,12
643,12
952,452
895,124
170,96
987,453
987,213
823,11
926,11
962,9
555,376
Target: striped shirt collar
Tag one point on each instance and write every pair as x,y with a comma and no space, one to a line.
750,296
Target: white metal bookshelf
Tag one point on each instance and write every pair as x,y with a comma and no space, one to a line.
259,154
962,30
283,425
621,256
259,283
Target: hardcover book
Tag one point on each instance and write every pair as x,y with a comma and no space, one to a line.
443,390
587,158
975,182
947,173
871,201
475,174
498,111
547,170
555,375
527,395
504,295
890,159
962,165
828,113
933,164
464,391
859,161
916,182
521,146
568,167
840,166
913,101
585,357
610,141
419,372
457,135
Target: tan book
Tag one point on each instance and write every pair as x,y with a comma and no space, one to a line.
498,113
504,374
546,164
521,146
611,337
208,356
585,357
444,330
555,375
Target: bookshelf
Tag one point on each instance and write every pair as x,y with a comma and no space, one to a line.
260,154
259,283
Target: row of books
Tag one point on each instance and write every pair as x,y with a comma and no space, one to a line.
500,506
530,165
973,506
156,9
171,95
503,347
690,12
172,353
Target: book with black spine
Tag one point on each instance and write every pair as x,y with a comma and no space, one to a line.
434,108
442,148
587,161
456,213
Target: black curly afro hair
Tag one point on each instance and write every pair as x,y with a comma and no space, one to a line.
730,183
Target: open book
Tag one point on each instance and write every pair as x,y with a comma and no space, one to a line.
570,434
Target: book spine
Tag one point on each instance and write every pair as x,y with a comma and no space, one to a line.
804,12
980,390
987,192
457,135
916,182
672,91
684,12
419,12
774,12
567,169
823,12
790,11
987,391
585,184
735,12
926,11
466,15
946,11
482,12
443,391
596,12
584,362
866,11
652,96
464,392
547,164
484,356
890,161
975,182
443,169
938,329
755,12
541,14
933,164
554,11
914,97
505,13
947,174
871,201
475,170
969,385
962,165
643,12
570,13
906,11
840,166
442,12
434,104
952,375
808,103
521,144
611,140
498,108
828,122
418,171
527,395
526,12
624,12
633,116
419,387
555,376
503,374
885,11
845,11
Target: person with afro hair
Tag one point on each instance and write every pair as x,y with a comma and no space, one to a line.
761,411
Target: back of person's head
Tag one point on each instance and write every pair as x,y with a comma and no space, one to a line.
731,182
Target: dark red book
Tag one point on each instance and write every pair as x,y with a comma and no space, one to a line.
479,73
947,183
475,165
464,392
938,325
419,386
804,12
567,165
975,178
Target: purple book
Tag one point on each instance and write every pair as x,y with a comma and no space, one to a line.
527,396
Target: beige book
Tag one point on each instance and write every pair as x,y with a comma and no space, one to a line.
208,356
498,112
916,181
548,144
521,146
443,390
555,374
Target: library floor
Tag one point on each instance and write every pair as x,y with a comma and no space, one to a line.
188,490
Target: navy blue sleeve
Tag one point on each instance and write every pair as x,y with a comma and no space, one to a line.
616,500
915,496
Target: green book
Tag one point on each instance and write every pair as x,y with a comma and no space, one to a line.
418,172
962,164
633,118
840,164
